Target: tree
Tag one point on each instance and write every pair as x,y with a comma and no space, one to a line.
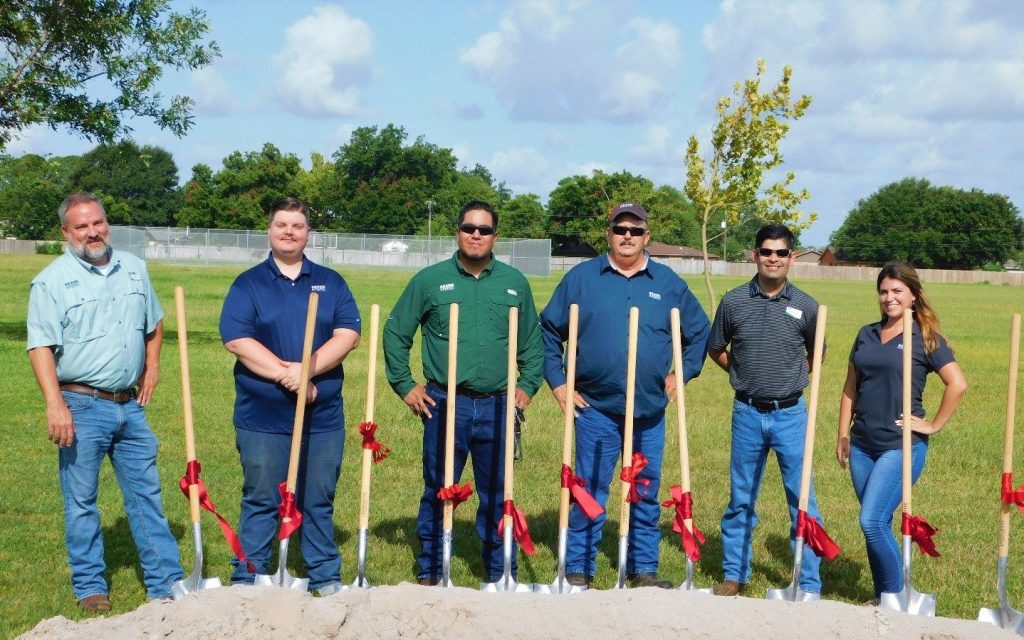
931,227
144,179
31,189
579,205
744,148
523,217
58,53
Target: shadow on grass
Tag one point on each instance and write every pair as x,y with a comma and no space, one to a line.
16,331
840,578
120,551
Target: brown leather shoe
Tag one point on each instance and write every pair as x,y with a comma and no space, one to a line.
429,582
97,603
729,588
578,579
648,580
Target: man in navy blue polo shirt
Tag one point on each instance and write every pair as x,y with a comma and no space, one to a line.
263,324
605,288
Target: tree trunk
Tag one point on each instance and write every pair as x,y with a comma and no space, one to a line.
707,266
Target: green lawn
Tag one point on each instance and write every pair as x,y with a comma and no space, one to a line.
958,492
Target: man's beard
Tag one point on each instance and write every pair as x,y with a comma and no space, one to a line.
91,255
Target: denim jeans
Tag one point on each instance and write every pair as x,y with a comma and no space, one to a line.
598,454
878,482
753,434
479,431
120,431
264,459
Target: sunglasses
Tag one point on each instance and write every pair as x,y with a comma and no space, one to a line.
633,232
470,229
764,252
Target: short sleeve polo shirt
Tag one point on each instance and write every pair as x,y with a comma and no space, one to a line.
879,367
267,306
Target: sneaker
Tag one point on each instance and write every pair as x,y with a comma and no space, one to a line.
648,580
578,579
729,588
96,603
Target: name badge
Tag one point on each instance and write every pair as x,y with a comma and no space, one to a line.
796,313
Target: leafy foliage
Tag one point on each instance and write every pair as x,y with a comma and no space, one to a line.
31,189
143,179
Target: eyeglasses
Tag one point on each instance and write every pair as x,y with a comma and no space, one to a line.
470,229
633,232
764,252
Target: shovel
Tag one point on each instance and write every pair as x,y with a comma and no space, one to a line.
561,585
793,592
449,446
507,582
291,518
684,455
1006,616
627,445
195,580
909,600
364,477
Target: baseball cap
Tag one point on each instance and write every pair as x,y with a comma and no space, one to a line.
632,208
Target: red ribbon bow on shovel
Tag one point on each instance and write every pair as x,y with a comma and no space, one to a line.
815,537
921,532
1009,495
190,478
684,511
631,473
289,512
380,452
455,493
579,494
520,530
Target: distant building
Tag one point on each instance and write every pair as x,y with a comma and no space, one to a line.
662,250
808,255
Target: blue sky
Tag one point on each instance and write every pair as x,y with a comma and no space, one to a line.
537,91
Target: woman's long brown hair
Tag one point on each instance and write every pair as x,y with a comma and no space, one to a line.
924,314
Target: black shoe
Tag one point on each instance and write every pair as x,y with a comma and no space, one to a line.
429,582
648,580
578,579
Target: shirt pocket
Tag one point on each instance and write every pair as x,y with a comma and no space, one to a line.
85,320
438,310
136,300
497,314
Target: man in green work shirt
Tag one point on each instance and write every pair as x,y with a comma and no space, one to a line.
485,289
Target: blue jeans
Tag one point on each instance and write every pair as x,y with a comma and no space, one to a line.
104,428
598,455
878,482
479,431
264,459
753,434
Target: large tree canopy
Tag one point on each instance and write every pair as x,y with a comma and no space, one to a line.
90,64
931,227
31,189
143,179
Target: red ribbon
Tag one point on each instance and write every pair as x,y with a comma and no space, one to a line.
380,452
289,512
580,496
456,494
920,532
684,511
815,537
519,527
631,473
190,478
1009,495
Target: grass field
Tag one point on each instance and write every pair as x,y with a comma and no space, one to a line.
958,492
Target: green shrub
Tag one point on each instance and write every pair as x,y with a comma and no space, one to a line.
50,248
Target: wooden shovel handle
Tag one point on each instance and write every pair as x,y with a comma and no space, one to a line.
449,427
371,396
510,403
570,408
1011,414
908,361
300,399
812,407
677,366
627,433
186,398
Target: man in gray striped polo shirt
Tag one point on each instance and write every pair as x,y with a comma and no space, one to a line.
768,325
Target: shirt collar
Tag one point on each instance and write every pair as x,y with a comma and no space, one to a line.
608,267
756,290
304,270
114,261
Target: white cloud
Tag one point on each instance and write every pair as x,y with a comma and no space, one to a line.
325,64
576,61
213,95
522,169
659,147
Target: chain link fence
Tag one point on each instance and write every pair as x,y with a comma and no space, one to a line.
228,246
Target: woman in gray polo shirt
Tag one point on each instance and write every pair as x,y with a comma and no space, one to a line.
872,404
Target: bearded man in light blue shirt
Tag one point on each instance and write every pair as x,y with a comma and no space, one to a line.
95,328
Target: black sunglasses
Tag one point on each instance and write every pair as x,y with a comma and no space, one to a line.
634,232
469,229
764,252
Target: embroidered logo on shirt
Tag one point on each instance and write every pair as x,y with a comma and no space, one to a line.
448,287
71,285
899,346
134,276
653,295
319,288
512,292
796,313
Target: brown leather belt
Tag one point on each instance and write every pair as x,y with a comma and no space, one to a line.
120,397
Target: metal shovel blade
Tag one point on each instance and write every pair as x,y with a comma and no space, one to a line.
446,560
281,577
560,585
1005,616
793,593
360,582
195,580
909,600
620,582
688,581
506,583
